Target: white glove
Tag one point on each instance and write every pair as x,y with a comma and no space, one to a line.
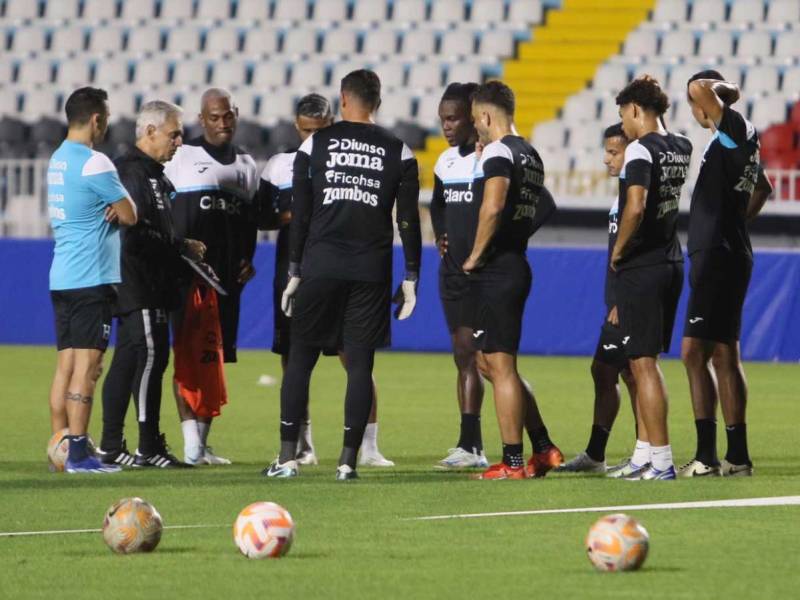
287,299
406,299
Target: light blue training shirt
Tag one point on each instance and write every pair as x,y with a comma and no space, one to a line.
81,183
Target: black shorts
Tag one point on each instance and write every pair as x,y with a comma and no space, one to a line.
718,280
282,330
498,293
334,313
610,349
83,317
647,300
454,294
228,318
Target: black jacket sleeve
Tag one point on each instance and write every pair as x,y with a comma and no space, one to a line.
438,208
266,206
407,214
302,206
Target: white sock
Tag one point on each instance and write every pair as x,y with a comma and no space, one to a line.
369,443
191,438
641,454
202,429
661,457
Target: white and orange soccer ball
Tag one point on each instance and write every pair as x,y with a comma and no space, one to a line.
132,525
617,543
263,530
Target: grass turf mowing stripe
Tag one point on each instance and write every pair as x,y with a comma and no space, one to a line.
69,531
734,503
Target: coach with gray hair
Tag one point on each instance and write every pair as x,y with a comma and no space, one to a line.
151,264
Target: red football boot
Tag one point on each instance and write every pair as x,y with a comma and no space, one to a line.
503,471
541,462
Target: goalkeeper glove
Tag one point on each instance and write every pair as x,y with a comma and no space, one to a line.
287,299
406,296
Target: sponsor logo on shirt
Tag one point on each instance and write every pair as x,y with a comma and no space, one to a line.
358,180
352,153
457,196
157,194
228,205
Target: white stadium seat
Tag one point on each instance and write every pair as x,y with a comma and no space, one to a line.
340,41
760,80
391,74
425,76
588,159
29,40
9,100
300,41
640,43
308,73
35,72
213,10
6,71
67,40
137,10
229,73
153,71
418,43
464,72
609,111
680,75
767,111
190,72
580,107
248,11
59,11
98,10
747,11
487,11
112,71
670,11
105,40
183,40
73,73
783,11
525,11
21,10
370,11
342,68
39,103
754,44
558,162
379,42
611,78
456,43
654,70
122,102
144,40
276,106
715,44
428,111
413,11
549,135
588,135
791,80
290,10
788,45
223,40
260,42
448,11
177,10
397,107
708,11
677,43
269,74
333,11
496,44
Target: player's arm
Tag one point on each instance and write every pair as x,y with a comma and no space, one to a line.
437,215
713,96
495,193
638,171
762,191
410,234
266,205
123,211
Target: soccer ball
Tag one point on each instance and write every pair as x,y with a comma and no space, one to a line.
617,543
132,525
263,530
58,449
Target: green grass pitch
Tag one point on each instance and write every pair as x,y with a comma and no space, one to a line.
352,539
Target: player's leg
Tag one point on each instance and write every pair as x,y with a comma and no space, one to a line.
545,454
117,389
58,390
359,362
696,356
370,454
733,399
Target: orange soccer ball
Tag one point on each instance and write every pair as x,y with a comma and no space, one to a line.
617,543
263,530
132,525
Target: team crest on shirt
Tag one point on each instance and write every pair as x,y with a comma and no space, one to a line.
106,331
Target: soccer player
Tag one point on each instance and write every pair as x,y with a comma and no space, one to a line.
87,204
313,112
647,257
730,190
151,264
512,202
347,178
215,183
610,362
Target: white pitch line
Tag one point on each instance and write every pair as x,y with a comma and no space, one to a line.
69,531
742,502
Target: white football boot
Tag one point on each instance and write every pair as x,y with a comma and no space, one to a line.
583,463
696,468
458,458
729,469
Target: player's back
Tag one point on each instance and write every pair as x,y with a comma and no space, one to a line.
514,158
660,163
356,171
87,249
727,178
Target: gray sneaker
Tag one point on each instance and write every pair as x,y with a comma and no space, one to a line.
281,471
583,463
626,469
729,469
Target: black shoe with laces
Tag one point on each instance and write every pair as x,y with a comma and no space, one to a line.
121,457
161,459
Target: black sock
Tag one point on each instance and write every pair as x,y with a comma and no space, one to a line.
348,456
512,455
540,440
470,439
706,441
78,448
737,444
597,443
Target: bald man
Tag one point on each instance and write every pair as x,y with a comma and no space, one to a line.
215,183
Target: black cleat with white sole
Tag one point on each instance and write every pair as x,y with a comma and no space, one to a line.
120,458
162,459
